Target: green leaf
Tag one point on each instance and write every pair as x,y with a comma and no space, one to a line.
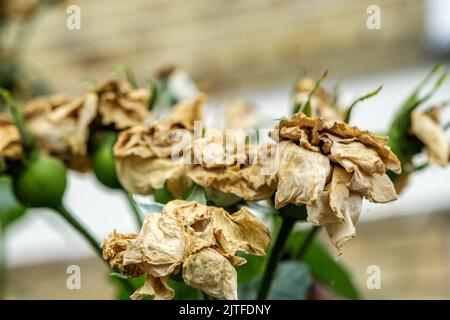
154,94
250,270
162,195
292,281
195,193
184,292
10,208
306,108
122,293
220,198
323,266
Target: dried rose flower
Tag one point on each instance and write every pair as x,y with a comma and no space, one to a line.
61,126
197,240
426,127
143,153
10,141
240,115
322,102
122,106
330,166
241,173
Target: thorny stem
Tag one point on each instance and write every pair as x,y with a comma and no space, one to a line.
66,215
307,241
275,255
134,207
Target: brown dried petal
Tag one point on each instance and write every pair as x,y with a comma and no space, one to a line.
352,154
113,248
427,130
247,182
376,187
209,271
10,141
122,106
302,175
159,247
141,175
240,231
62,126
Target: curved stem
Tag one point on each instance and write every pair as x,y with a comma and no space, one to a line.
94,244
134,207
80,228
308,239
275,255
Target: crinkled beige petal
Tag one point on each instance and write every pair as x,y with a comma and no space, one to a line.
240,231
209,271
302,175
316,127
376,187
60,125
341,233
157,287
159,247
247,182
140,175
113,248
196,220
427,130
121,106
185,113
10,140
349,153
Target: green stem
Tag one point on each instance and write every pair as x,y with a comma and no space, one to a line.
287,225
308,240
66,215
134,207
80,228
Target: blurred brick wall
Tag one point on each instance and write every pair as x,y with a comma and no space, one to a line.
225,42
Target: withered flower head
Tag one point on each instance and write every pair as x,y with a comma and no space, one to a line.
240,115
61,126
330,166
199,241
322,102
143,153
122,106
10,141
242,172
426,127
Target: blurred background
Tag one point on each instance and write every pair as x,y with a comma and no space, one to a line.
251,50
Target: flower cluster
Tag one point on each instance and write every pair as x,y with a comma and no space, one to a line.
199,241
62,125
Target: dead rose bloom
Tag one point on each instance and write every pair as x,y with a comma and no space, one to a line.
61,126
197,240
240,115
322,104
426,127
122,106
143,153
242,172
330,166
10,141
